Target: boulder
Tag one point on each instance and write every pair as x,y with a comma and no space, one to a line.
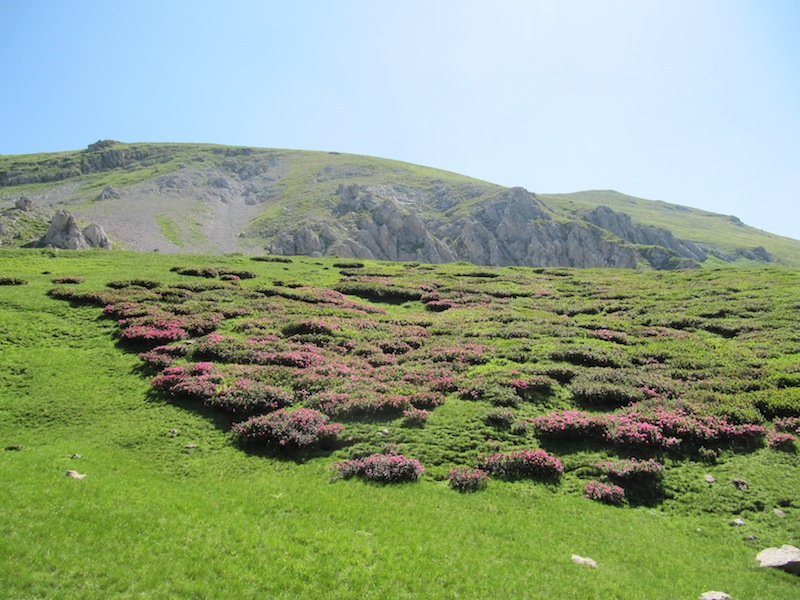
24,204
713,595
786,558
65,233
109,193
96,237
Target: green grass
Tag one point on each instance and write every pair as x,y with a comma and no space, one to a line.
170,230
155,519
685,223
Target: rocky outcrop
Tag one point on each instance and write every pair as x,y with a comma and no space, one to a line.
65,233
511,228
669,252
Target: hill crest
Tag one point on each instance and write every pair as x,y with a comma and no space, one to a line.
218,199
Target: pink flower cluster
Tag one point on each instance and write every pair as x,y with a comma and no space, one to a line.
570,425
197,381
382,468
631,469
781,441
788,424
248,395
466,479
653,427
289,429
415,416
522,463
603,492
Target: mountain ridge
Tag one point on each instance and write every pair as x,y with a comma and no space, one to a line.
204,198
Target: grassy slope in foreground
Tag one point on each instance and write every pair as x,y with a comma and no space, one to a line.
155,519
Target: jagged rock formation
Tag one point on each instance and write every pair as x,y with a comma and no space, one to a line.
511,228
667,251
65,233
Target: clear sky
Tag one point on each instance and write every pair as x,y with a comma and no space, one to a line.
695,102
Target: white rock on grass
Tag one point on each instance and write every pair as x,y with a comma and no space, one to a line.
786,558
715,596
75,474
580,560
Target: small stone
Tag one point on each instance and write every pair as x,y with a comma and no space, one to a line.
76,456
190,446
75,474
779,513
173,432
383,432
715,596
14,448
750,538
740,484
709,478
581,560
737,523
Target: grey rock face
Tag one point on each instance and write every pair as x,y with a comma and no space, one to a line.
511,228
65,233
621,225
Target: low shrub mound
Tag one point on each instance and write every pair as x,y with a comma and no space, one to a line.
466,479
289,429
535,464
12,281
604,492
381,468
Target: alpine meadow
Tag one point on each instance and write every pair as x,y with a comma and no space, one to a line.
319,375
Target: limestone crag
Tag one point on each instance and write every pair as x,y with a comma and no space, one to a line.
512,227
622,226
65,233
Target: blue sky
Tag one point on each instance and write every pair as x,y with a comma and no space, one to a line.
695,102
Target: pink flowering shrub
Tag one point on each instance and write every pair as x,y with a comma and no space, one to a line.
163,356
381,468
605,493
197,381
781,441
788,424
246,395
415,416
466,479
570,425
657,428
631,469
310,327
530,386
289,429
536,464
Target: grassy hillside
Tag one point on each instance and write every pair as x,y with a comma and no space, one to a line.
220,199
174,504
723,231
